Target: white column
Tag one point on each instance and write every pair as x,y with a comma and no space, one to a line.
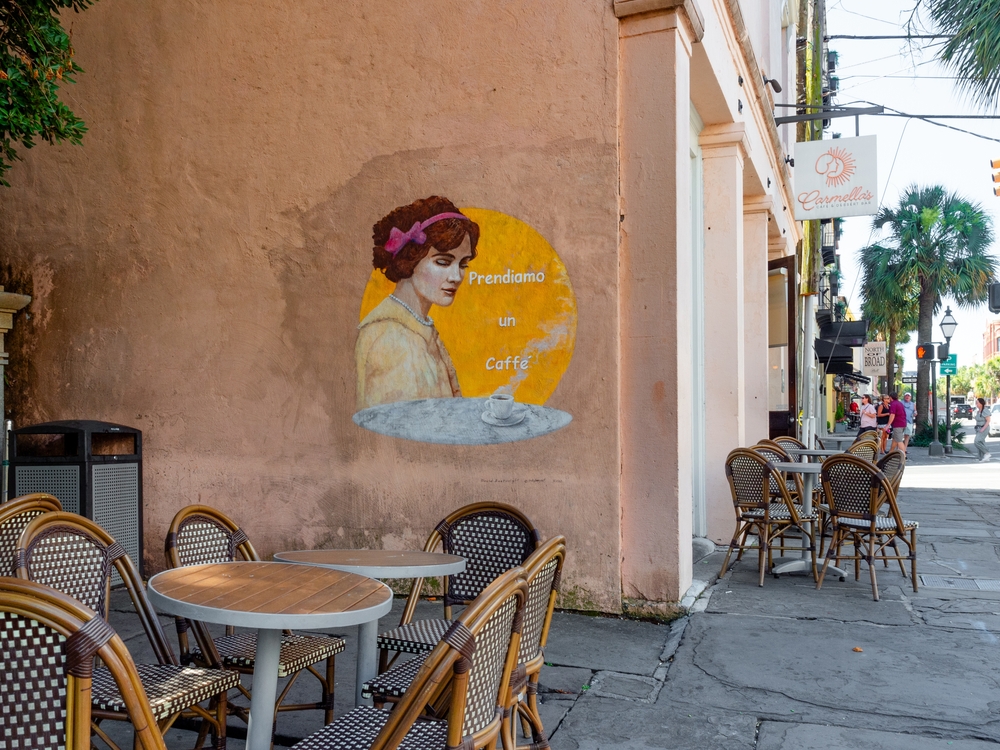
723,149
756,212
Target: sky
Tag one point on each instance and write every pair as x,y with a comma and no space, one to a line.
905,76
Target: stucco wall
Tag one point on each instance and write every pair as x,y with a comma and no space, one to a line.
197,266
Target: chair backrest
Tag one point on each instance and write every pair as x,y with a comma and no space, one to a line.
753,481
543,571
775,453
74,555
200,534
48,642
854,487
15,514
789,442
474,660
892,465
866,449
492,537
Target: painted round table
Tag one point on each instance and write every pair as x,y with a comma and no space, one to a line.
270,597
458,421
375,563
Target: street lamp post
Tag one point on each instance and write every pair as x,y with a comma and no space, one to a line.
948,325
935,448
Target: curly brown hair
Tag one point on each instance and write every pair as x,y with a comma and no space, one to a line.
443,235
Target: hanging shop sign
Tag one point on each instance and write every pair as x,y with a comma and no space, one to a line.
873,364
835,178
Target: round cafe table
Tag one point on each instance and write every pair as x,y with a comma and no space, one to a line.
270,597
375,563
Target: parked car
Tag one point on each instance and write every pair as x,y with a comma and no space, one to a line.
995,421
962,411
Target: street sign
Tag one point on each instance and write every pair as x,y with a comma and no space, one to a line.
873,364
950,365
909,380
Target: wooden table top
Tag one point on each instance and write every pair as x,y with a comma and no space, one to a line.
379,563
269,595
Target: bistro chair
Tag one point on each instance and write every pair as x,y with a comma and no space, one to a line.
74,555
543,571
15,514
866,449
787,441
493,538
48,644
855,492
892,465
775,453
751,479
463,684
199,534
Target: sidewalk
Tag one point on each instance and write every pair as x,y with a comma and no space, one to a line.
774,668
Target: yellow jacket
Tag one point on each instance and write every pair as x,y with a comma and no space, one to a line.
400,359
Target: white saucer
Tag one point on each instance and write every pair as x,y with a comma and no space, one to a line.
516,418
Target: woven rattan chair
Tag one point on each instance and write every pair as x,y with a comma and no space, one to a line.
787,441
543,571
199,534
855,492
77,557
493,538
866,449
752,478
48,642
465,679
15,515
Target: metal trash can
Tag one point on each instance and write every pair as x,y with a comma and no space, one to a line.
93,468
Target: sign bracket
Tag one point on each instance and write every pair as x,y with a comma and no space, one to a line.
827,114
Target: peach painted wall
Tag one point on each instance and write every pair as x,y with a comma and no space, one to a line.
198,265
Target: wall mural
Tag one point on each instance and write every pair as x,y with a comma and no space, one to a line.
468,323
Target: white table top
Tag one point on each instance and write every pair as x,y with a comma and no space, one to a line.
269,595
378,563
798,467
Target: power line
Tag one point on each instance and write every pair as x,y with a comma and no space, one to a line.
865,37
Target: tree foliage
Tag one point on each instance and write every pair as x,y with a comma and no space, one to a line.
937,245
36,57
890,302
973,52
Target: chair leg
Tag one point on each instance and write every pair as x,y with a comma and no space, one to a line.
832,551
812,546
913,559
764,553
328,687
871,564
734,544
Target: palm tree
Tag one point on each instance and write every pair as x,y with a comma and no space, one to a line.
890,305
938,245
973,51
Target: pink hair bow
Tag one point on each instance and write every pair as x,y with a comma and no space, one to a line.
399,239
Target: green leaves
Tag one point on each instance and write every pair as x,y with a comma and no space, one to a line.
973,52
36,57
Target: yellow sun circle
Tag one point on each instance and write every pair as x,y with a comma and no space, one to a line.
513,322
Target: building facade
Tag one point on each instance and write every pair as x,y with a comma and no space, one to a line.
991,340
200,267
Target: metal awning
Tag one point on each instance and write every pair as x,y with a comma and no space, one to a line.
829,352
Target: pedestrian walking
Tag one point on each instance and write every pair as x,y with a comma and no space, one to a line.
982,430
882,420
897,422
911,419
868,415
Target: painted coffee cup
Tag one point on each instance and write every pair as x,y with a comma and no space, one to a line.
501,405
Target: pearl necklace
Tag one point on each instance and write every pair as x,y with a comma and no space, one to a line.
421,321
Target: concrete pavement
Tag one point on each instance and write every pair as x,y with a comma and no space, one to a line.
775,668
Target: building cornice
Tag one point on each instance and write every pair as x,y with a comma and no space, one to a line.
626,8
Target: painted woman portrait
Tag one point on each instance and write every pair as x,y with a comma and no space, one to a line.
424,249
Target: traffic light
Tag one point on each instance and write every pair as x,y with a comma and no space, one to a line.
995,297
942,352
995,165
925,351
